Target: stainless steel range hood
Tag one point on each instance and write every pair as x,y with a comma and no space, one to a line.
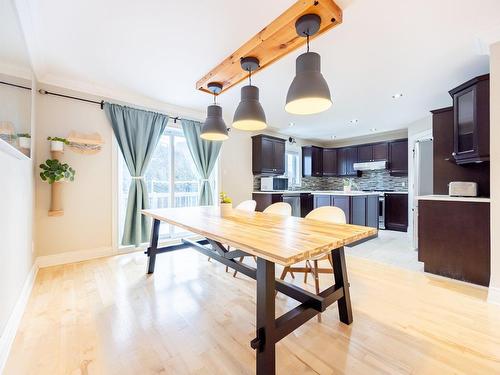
370,166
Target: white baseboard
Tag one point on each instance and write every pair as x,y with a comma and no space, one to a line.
74,256
494,295
8,335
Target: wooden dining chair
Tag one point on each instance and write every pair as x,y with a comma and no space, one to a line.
279,208
327,214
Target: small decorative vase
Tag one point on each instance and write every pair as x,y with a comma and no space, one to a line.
226,209
56,146
24,142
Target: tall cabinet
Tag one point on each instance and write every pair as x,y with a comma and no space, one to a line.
268,155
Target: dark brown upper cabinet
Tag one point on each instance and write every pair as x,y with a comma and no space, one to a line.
471,117
268,155
312,161
373,152
398,157
346,157
329,162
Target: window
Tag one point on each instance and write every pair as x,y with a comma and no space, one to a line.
171,178
292,168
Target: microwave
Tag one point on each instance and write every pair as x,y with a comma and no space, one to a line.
273,183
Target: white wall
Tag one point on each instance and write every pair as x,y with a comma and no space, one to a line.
494,294
16,227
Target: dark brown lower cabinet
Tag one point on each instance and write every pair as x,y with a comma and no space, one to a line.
454,239
265,199
396,212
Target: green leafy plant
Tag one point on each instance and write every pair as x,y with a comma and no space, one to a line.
23,135
224,198
53,170
58,139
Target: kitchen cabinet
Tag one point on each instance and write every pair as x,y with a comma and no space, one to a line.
396,212
373,152
380,152
266,199
358,209
306,204
312,161
346,157
268,155
449,245
471,118
398,157
329,162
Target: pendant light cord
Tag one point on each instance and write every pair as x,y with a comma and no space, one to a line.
250,76
307,41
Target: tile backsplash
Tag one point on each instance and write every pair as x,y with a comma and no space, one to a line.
370,180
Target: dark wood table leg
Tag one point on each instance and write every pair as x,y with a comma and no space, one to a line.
340,272
266,325
153,245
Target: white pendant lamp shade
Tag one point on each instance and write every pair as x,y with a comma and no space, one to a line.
214,128
249,115
309,92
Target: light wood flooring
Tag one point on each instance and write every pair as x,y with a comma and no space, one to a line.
107,317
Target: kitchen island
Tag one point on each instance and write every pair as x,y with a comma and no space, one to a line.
360,207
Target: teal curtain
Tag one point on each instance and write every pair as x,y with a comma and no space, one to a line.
137,133
205,154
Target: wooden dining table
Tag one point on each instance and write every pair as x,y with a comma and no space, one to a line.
272,239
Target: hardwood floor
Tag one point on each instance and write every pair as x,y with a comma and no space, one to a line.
107,316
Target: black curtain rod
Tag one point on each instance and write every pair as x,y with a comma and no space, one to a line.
14,85
101,103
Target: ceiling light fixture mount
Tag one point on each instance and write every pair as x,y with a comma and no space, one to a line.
308,93
214,128
249,114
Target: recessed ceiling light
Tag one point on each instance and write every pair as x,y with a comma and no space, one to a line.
291,124
397,96
354,121
334,136
373,129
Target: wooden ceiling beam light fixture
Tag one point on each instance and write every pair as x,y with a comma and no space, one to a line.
276,40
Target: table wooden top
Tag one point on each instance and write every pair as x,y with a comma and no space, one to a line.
279,239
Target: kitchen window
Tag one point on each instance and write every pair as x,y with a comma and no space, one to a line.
171,179
292,168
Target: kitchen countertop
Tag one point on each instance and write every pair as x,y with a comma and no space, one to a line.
453,199
327,192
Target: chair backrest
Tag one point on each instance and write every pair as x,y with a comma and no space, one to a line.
248,205
328,214
279,208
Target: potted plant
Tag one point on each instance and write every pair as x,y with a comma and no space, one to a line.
24,140
226,204
55,172
57,143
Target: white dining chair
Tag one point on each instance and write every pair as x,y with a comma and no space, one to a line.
326,214
279,208
248,205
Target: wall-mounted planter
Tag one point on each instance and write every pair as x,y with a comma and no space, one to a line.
56,199
24,142
57,146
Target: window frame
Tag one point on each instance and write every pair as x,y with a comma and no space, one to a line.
296,152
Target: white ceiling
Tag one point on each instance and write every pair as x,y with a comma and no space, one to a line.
160,48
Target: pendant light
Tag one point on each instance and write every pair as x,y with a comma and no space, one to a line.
309,92
214,128
249,114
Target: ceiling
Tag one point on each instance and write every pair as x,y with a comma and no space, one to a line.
159,49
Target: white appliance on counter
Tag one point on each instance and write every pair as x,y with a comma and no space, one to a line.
462,189
370,166
273,183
